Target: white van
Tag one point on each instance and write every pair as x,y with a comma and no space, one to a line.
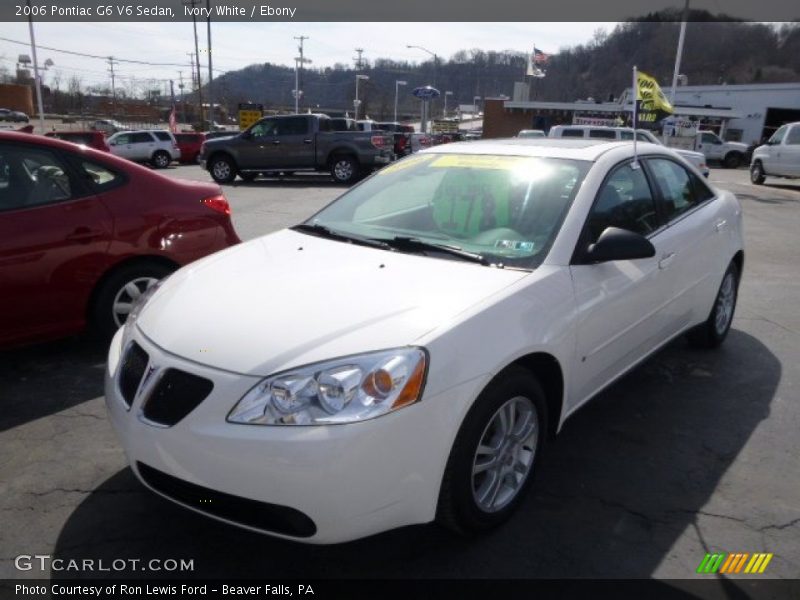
696,159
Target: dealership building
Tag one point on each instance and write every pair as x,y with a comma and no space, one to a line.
745,113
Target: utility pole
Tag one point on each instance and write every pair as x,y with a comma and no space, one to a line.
113,86
210,75
38,81
193,3
298,66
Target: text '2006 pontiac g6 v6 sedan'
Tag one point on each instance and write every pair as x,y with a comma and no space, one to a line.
403,355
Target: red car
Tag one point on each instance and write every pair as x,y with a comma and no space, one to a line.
189,144
92,139
84,233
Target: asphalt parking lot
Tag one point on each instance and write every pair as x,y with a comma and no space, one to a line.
693,452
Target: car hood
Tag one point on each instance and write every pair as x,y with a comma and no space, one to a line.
737,145
697,156
288,299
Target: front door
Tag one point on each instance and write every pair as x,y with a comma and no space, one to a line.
619,301
54,236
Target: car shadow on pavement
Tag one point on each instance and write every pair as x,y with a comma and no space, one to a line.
629,474
37,381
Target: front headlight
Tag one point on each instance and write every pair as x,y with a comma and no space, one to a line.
343,390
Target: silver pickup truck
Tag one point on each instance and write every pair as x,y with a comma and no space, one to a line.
295,143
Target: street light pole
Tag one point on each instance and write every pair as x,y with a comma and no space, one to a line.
357,102
435,61
397,85
444,112
210,74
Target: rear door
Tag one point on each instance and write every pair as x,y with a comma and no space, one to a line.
295,142
692,247
143,145
54,236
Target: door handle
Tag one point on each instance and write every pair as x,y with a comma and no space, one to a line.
721,225
84,235
665,260
306,141
276,142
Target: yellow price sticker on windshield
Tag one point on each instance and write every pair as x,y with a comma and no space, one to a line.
478,161
405,163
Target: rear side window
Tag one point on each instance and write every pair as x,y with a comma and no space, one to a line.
142,137
325,125
578,133
606,134
292,126
680,189
102,177
164,136
31,177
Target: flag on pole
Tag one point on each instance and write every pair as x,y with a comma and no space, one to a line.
536,59
653,104
173,126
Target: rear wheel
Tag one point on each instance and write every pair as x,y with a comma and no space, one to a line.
344,169
493,458
732,160
116,296
222,169
714,331
161,159
757,175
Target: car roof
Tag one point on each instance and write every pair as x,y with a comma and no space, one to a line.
578,149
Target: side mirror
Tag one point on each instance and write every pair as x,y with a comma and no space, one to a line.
619,244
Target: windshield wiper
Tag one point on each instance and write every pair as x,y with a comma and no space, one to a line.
327,232
411,243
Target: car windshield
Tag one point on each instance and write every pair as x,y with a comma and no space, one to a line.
502,210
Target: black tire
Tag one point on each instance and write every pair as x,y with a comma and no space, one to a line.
344,168
248,177
103,318
715,329
459,508
757,175
222,168
733,160
161,159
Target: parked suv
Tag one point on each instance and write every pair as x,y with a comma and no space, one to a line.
779,157
697,159
158,147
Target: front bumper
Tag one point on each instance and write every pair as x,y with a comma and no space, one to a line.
349,481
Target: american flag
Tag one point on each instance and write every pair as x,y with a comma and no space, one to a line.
539,57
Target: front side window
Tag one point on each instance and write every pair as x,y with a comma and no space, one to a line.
794,136
710,138
777,137
31,177
264,128
680,189
625,201
507,209
123,139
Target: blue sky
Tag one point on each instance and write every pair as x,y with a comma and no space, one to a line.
238,44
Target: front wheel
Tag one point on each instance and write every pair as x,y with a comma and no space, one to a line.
222,169
161,160
344,169
119,292
493,458
757,175
714,331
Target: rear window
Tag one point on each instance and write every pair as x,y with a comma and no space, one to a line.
606,134
164,136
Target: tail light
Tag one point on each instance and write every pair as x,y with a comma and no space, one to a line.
218,203
378,141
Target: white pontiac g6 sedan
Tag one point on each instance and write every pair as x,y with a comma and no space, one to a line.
403,355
